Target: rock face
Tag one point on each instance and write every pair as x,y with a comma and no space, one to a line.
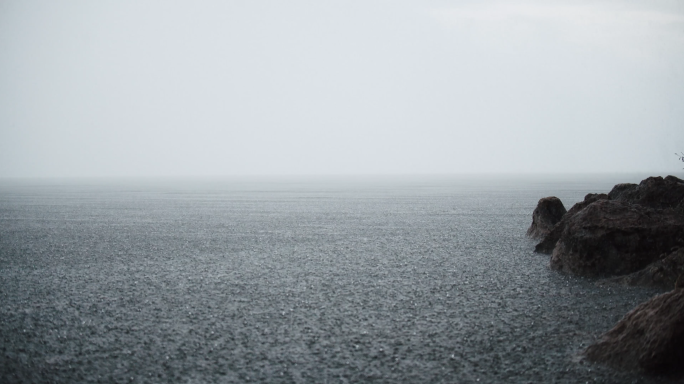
609,238
650,338
635,232
549,211
653,192
550,240
667,272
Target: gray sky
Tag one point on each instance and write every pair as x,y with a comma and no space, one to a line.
166,88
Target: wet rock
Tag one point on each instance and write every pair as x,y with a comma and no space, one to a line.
609,238
549,211
667,272
650,338
550,240
623,191
653,192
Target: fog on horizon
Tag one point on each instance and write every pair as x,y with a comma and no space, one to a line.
203,88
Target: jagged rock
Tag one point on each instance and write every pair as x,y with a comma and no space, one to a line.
650,338
653,192
549,211
550,240
609,238
667,272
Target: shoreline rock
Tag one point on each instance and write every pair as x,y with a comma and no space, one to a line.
549,211
652,192
609,238
635,232
549,242
650,338
667,273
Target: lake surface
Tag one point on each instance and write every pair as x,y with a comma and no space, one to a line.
304,280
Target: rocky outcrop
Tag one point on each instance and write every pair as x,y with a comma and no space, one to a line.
609,238
666,272
550,240
650,338
635,232
653,192
549,211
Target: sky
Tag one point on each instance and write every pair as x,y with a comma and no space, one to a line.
210,88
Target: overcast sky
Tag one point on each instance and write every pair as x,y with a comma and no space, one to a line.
166,88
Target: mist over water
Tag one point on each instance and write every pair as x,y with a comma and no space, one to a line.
204,88
386,279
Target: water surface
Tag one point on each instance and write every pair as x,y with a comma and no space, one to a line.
326,280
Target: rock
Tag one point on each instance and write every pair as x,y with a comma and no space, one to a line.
650,338
609,238
549,211
653,192
550,240
623,189
667,272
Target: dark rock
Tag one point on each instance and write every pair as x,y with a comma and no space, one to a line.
650,338
667,272
550,240
549,211
609,238
622,191
653,192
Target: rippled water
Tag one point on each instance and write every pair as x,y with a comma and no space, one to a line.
294,280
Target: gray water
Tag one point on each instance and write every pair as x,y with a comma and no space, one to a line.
320,280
